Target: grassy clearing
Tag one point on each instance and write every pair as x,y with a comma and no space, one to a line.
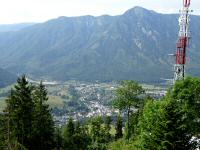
122,144
55,101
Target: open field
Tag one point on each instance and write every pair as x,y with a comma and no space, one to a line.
55,101
75,96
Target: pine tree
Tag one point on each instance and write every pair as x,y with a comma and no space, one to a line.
70,129
21,112
58,139
81,138
97,134
43,125
118,128
96,128
10,139
3,132
68,135
108,121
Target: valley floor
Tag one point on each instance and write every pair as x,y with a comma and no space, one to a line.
82,100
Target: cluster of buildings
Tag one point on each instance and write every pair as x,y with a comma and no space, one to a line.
94,99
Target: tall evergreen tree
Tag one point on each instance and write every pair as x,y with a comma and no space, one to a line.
118,128
76,136
21,112
43,125
10,139
97,134
3,132
96,128
81,138
108,121
58,139
68,135
70,129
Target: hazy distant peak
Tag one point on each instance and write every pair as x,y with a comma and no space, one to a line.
138,11
14,27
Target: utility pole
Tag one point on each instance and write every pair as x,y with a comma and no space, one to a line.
183,41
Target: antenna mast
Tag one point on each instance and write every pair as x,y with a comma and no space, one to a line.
183,41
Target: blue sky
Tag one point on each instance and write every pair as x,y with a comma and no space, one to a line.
16,11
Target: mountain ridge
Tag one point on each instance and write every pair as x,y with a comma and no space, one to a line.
14,27
129,46
6,78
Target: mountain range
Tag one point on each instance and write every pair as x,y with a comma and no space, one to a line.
134,45
6,78
14,27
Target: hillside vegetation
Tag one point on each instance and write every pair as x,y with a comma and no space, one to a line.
142,123
6,78
134,45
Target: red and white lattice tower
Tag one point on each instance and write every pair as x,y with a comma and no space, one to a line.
183,41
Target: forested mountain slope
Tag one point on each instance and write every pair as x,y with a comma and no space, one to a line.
134,45
6,78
